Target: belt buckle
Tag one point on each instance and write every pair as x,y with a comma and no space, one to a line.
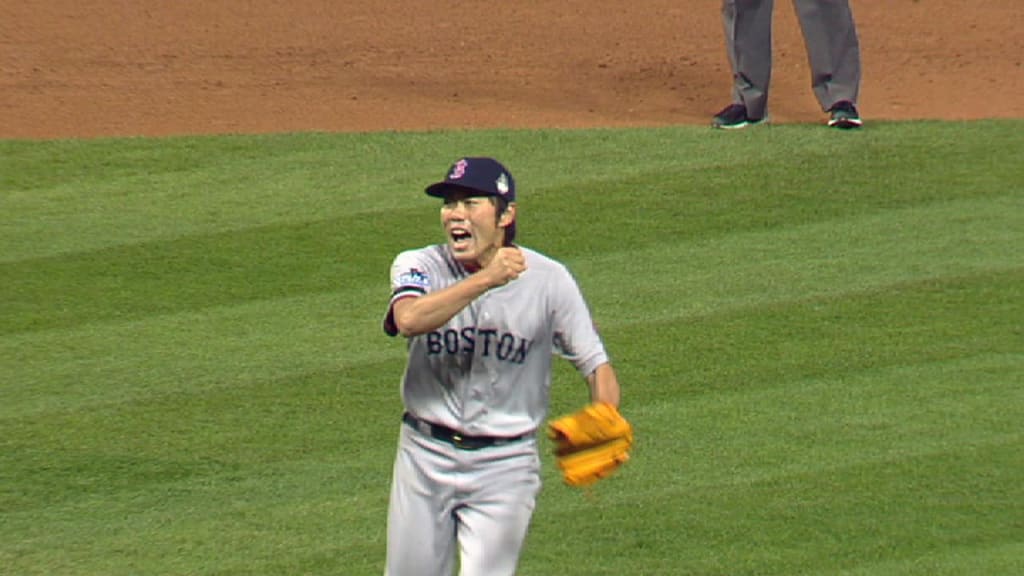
457,441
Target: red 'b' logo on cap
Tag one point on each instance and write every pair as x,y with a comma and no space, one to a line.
459,170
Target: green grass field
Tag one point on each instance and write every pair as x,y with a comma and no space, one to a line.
820,336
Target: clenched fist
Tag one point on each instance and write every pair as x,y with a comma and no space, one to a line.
506,265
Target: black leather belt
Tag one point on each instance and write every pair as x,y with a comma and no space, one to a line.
456,438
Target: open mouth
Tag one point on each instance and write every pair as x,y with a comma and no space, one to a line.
460,238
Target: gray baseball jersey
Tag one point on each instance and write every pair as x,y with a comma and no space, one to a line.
487,372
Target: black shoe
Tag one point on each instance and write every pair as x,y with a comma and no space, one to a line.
734,116
843,114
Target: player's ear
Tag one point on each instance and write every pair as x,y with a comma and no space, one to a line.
508,216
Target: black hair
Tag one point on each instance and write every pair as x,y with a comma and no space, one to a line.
501,205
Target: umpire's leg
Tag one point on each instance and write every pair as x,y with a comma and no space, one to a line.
832,49
748,38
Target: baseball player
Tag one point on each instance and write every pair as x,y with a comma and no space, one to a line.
833,50
483,317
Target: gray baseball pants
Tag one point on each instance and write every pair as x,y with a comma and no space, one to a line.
443,498
830,37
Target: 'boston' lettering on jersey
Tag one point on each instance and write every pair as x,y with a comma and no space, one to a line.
488,341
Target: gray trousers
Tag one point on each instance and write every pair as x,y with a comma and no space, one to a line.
829,35
449,507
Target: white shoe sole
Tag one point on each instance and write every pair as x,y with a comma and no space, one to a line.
846,123
738,126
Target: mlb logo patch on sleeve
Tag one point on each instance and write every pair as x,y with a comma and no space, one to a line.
414,278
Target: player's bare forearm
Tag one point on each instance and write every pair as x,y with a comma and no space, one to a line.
415,316
604,385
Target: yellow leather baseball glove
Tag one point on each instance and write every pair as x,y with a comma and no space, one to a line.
591,444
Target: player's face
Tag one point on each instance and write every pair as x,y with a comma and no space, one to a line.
471,227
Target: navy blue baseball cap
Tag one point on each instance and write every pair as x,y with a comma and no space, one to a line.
481,175
485,176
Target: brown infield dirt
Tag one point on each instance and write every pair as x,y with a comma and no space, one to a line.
92,68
